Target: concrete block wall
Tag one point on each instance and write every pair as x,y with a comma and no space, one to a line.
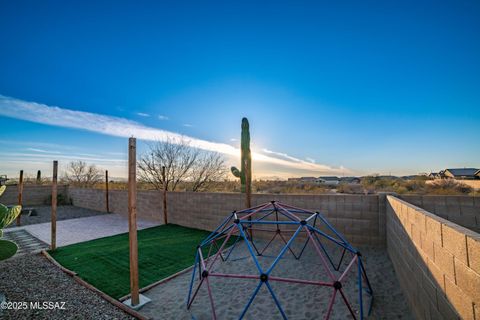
358,217
149,203
436,261
462,210
32,194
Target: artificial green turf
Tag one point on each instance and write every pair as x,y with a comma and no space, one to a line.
104,263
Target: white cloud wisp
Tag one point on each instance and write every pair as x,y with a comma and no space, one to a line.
121,127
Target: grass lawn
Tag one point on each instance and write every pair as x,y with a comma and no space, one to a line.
104,263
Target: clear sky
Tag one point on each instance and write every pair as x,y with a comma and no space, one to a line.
333,87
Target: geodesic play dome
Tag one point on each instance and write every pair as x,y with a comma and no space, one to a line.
272,233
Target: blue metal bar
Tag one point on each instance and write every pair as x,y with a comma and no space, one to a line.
345,245
268,244
365,275
193,278
260,270
270,222
251,240
341,259
360,293
276,301
218,228
231,249
333,229
314,216
290,249
205,243
303,249
251,300
271,212
284,249
371,305
324,250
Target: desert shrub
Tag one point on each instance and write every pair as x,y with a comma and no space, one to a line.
62,200
448,187
350,188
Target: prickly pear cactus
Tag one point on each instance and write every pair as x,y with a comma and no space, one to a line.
245,174
7,216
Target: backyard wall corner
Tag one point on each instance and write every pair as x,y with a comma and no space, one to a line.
33,195
462,210
436,261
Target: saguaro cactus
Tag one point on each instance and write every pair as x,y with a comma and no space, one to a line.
39,177
245,174
7,216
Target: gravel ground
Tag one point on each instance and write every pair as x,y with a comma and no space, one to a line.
63,213
32,278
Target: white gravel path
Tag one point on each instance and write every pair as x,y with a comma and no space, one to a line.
84,229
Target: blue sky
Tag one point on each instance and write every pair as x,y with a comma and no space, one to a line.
356,87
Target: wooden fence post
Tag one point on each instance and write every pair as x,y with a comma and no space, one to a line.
20,196
53,244
165,215
132,220
106,192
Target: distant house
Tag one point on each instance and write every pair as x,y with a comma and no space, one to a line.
304,179
330,180
353,180
462,173
437,175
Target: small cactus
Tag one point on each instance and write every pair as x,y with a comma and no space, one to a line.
7,216
245,174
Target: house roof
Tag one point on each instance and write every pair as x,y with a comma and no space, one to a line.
461,172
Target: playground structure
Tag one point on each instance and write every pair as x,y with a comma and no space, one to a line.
339,259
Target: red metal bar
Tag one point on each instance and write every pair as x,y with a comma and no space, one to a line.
324,262
347,269
318,283
330,305
211,300
236,276
288,212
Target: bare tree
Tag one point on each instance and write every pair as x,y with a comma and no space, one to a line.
183,163
209,167
80,174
